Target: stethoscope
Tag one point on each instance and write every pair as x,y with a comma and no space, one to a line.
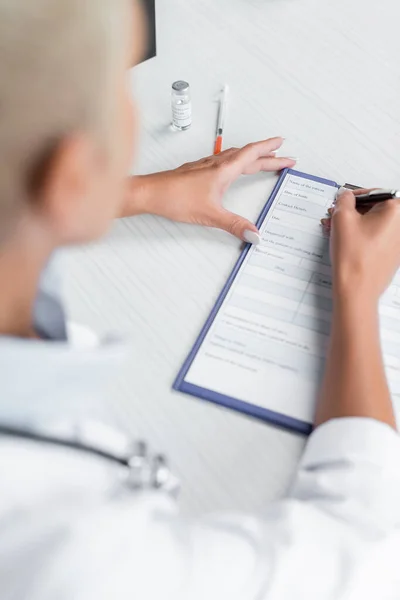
141,469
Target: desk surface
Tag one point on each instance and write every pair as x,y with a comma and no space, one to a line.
322,74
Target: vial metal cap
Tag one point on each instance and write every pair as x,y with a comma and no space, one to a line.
180,86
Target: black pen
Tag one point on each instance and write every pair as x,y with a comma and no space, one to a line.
376,196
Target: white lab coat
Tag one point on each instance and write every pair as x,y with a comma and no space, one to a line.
70,528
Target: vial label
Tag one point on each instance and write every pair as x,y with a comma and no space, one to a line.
182,115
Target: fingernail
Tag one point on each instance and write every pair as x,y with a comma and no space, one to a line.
295,158
341,190
252,237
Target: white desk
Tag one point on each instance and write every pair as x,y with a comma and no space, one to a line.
322,73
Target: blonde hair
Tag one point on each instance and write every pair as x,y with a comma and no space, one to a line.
58,59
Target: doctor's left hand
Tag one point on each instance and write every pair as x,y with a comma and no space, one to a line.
193,193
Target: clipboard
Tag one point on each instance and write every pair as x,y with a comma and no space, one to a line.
181,385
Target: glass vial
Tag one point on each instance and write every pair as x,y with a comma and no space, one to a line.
181,106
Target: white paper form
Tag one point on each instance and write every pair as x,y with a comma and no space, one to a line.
267,344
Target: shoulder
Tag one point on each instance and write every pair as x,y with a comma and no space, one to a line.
68,524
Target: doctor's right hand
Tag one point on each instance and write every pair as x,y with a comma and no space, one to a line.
365,248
